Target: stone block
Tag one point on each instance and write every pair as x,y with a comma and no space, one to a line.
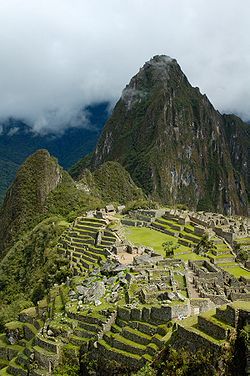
161,314
146,314
136,314
124,313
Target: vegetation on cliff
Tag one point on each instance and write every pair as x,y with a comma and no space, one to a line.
174,144
112,183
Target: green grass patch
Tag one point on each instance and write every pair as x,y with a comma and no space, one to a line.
236,271
149,238
190,256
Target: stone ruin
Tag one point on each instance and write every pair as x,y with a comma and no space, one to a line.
216,284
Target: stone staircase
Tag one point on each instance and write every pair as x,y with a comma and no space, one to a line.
131,341
15,345
86,244
187,234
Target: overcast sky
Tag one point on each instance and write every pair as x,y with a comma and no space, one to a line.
57,56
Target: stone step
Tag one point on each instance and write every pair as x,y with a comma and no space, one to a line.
188,236
28,315
29,331
45,359
189,230
23,360
136,336
227,314
46,344
76,234
143,327
106,244
80,261
109,234
152,349
15,369
213,327
87,229
188,334
164,230
94,328
94,223
84,251
81,244
157,340
121,343
167,223
225,259
120,356
98,250
79,332
79,341
185,242
116,328
94,319
83,256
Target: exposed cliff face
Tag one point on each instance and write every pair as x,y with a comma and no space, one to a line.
175,145
238,140
25,199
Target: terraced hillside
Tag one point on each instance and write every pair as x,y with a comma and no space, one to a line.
108,310
86,243
186,236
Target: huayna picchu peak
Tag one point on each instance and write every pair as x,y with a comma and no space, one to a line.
175,145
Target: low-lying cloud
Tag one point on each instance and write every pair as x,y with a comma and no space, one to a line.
58,56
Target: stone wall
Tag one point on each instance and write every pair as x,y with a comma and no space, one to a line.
227,314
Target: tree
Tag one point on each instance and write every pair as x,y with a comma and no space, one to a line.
169,248
205,245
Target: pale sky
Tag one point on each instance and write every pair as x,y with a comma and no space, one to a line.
58,56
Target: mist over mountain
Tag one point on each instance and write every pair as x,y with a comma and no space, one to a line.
175,145
18,141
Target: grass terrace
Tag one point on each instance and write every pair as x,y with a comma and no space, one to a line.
149,238
236,271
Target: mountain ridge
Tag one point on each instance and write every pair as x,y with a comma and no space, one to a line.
174,143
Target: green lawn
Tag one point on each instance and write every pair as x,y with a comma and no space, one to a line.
189,256
153,239
148,237
236,271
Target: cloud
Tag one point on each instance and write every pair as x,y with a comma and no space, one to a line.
58,56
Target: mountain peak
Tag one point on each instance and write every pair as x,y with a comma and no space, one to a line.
155,73
25,199
160,61
173,142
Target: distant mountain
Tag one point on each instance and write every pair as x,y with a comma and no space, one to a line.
17,142
175,145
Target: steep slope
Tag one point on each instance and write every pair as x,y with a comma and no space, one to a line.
25,199
172,141
17,142
111,182
41,189
238,139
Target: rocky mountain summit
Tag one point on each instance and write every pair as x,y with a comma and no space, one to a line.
175,145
